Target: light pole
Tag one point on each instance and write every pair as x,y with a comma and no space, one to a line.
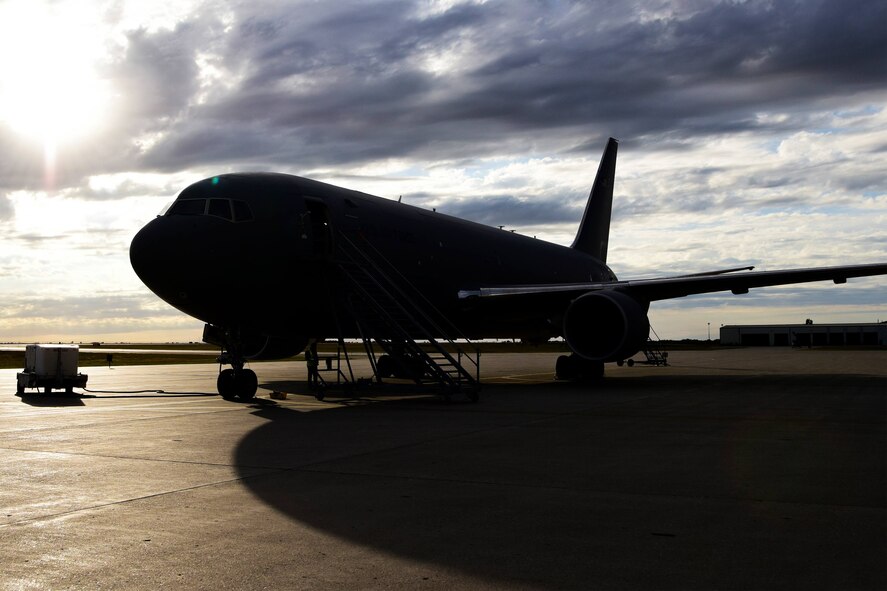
709,330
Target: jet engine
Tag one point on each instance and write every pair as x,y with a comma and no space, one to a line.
257,346
606,326
265,347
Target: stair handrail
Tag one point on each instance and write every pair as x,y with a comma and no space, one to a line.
426,317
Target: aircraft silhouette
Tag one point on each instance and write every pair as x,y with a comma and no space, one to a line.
274,263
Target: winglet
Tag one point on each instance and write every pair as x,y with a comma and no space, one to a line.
594,229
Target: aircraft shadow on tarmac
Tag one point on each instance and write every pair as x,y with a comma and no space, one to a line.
560,487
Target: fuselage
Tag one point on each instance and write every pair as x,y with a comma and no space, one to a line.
260,252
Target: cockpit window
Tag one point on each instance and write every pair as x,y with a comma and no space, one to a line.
187,207
242,211
220,208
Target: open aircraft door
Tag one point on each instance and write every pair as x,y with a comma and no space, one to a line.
318,229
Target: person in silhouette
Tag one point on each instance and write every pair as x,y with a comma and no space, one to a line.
312,362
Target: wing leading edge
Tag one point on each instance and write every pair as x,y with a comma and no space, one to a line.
665,288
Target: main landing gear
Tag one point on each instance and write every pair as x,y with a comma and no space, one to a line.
578,369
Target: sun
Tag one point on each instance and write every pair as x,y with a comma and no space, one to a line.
49,87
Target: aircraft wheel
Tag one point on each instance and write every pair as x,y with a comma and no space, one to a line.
385,366
631,363
247,384
573,367
226,384
565,368
590,371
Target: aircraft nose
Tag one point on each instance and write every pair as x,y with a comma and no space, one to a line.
151,254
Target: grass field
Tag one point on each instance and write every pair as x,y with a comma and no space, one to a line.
160,353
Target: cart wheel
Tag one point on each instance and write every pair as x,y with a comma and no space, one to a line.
630,362
320,393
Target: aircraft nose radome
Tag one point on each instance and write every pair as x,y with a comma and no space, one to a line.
146,254
138,253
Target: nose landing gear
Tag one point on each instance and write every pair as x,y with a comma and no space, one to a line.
241,384
237,382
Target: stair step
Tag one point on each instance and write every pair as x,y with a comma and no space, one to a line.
382,310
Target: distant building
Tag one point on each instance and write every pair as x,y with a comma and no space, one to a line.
804,335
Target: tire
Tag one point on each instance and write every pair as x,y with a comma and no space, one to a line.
226,384
590,371
565,368
385,366
247,384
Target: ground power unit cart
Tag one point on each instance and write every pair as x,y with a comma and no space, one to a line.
50,367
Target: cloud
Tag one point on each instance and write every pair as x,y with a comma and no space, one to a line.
510,211
6,209
277,85
432,86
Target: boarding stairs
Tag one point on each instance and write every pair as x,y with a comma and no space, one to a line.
652,352
403,323
654,356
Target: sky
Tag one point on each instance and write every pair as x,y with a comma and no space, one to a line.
751,133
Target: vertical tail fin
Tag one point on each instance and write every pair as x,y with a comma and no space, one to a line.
594,229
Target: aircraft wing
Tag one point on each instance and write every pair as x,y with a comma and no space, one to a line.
665,288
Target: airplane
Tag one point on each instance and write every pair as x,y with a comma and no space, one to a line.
273,263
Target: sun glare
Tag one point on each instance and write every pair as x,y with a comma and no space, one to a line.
49,88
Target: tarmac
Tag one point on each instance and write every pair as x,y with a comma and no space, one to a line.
727,469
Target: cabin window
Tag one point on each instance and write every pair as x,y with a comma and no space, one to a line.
187,207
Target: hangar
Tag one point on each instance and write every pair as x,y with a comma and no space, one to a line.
804,335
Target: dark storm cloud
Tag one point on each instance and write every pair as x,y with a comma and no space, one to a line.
159,74
511,212
304,85
328,83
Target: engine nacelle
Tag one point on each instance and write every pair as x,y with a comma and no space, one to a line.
258,346
606,326
265,347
